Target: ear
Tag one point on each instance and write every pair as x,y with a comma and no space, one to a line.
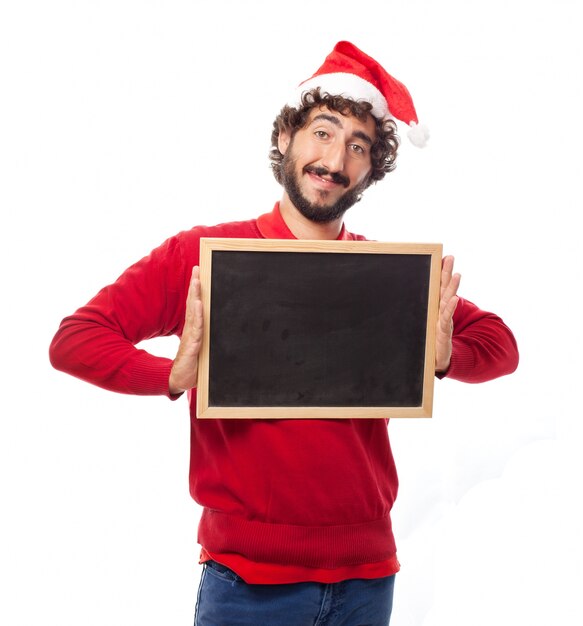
283,140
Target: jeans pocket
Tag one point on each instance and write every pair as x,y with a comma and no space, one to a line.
221,571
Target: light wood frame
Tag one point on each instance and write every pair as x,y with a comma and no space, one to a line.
208,245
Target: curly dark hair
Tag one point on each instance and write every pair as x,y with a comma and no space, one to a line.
384,148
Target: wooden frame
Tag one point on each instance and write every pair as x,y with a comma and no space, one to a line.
230,265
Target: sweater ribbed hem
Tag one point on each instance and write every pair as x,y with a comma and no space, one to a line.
309,546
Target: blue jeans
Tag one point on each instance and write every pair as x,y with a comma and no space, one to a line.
224,599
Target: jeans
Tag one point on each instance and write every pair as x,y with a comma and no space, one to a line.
224,599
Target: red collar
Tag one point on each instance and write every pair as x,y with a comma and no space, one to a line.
272,226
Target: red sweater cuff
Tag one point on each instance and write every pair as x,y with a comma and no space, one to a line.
150,375
462,361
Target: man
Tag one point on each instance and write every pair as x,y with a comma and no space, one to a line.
296,524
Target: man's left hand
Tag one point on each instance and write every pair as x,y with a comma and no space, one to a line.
448,300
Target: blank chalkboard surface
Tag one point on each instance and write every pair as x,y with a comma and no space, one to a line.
317,329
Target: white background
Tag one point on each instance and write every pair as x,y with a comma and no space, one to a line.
123,122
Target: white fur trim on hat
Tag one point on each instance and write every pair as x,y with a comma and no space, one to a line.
348,85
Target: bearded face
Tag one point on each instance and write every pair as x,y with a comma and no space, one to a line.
327,163
322,210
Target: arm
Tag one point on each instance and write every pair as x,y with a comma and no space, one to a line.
97,342
471,345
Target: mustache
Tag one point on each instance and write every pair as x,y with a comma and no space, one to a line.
336,177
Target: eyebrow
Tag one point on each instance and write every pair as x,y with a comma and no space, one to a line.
359,134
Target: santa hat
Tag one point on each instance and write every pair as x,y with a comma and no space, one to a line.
347,71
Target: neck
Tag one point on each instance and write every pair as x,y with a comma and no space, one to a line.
302,227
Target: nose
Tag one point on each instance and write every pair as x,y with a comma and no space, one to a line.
333,158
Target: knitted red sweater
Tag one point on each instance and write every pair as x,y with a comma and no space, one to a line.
309,495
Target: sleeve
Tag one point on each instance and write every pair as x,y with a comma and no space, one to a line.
98,342
483,348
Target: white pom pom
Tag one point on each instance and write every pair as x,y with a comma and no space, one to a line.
418,135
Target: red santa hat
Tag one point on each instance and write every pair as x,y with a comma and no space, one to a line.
347,71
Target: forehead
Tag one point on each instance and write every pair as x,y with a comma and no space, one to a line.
346,121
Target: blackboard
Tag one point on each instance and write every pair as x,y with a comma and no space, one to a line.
334,329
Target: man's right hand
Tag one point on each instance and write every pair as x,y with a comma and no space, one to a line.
185,366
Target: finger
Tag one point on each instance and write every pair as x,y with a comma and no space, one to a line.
194,287
197,325
193,311
449,291
446,271
452,287
446,315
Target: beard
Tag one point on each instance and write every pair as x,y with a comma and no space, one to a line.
318,212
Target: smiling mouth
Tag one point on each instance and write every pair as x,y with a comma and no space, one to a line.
323,175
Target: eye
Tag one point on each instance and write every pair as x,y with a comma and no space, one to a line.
356,148
321,134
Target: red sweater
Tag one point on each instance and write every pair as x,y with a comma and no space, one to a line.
283,500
